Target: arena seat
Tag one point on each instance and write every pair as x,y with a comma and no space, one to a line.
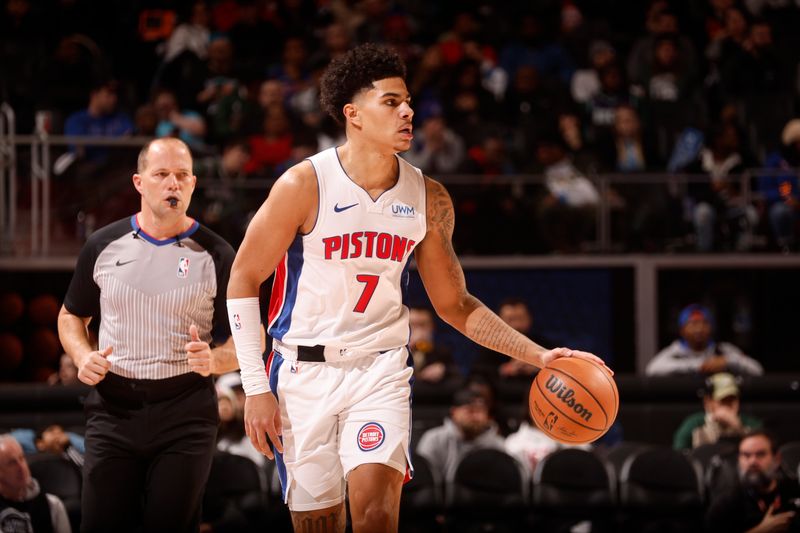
234,494
572,485
790,458
59,476
421,499
492,487
661,487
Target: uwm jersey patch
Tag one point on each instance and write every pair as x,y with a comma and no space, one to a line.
344,283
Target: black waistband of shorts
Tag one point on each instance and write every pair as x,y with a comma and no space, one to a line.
311,354
140,391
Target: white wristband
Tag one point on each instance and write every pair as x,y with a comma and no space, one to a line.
245,319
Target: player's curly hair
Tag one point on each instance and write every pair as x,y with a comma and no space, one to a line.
346,76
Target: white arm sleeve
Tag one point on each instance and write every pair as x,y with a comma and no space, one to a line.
245,319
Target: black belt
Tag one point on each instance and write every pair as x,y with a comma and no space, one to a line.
311,354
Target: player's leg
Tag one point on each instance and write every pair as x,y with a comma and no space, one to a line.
328,520
374,491
374,439
309,396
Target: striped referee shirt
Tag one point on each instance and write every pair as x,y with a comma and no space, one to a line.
147,292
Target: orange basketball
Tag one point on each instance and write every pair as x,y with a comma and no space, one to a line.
573,400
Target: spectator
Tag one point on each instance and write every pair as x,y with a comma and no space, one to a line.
145,120
436,148
53,439
224,204
719,211
695,352
780,191
231,436
586,82
188,126
601,107
23,505
661,22
763,500
758,67
529,445
100,118
516,313
274,146
468,427
67,373
720,418
433,363
192,36
566,214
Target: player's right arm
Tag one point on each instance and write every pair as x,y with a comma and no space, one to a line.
74,336
290,208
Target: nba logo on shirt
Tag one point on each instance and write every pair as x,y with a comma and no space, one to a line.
183,267
370,436
237,322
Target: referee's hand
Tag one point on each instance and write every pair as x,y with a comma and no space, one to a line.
198,353
94,366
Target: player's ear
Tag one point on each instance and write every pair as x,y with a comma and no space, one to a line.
351,114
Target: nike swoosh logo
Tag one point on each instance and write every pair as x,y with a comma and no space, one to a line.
344,208
119,264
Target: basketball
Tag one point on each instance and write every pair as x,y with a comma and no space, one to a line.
573,400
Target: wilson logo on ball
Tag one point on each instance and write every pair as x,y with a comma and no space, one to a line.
370,436
566,395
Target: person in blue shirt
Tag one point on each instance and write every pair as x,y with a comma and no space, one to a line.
100,118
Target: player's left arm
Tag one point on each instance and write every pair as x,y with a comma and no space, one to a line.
444,282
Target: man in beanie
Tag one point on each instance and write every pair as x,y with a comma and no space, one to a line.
696,352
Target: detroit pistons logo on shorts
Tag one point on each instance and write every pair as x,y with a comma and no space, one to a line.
183,267
370,436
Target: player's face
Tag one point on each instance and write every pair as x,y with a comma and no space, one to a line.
166,180
383,114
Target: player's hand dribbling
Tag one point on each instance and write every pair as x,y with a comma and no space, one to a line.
262,419
198,353
555,353
94,366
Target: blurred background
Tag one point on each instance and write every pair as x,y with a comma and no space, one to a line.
611,162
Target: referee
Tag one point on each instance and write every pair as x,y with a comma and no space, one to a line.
157,281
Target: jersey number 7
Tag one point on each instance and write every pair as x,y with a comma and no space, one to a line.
370,281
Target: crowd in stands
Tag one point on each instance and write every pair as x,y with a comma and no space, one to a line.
557,88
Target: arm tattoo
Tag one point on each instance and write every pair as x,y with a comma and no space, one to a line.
442,220
489,330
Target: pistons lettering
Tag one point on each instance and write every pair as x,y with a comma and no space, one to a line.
368,244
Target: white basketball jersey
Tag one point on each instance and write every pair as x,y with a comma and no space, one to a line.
343,284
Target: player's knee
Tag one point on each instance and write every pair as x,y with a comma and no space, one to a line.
376,516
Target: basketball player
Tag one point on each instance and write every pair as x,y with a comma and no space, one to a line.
157,280
340,228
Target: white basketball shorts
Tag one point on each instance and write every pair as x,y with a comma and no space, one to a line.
337,416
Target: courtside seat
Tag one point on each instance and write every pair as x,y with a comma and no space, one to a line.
59,476
661,487
422,499
488,487
572,485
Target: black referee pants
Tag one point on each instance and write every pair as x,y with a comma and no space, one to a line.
149,446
